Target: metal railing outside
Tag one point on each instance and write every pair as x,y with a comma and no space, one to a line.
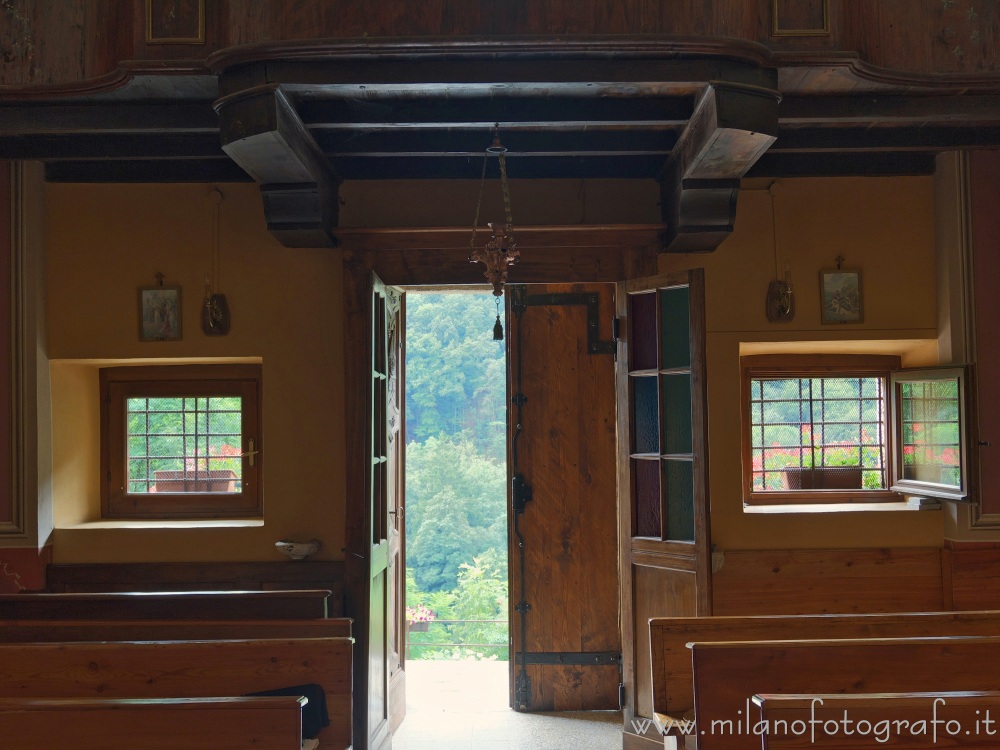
410,630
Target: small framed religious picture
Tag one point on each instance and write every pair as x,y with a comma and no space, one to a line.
840,296
175,21
160,313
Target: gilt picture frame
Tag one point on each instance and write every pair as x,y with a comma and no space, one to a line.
160,313
840,296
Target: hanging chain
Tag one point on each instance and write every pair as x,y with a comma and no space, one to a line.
506,189
479,203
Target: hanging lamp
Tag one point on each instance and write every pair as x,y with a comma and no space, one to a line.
500,251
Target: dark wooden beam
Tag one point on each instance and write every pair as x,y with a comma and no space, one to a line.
891,109
885,164
731,128
351,112
470,167
104,116
856,139
263,134
130,171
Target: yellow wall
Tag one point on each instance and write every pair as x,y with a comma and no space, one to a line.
882,226
106,241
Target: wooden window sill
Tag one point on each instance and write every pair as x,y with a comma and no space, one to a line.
908,504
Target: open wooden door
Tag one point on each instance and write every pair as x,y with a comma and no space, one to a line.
663,472
563,545
376,567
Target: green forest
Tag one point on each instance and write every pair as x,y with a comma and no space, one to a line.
456,476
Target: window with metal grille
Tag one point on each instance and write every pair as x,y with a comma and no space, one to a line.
181,441
816,429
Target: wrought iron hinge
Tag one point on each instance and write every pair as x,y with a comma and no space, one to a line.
523,691
520,492
621,695
522,606
616,329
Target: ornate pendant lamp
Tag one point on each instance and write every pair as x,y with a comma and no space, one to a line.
500,252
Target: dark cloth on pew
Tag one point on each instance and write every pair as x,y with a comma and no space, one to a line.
314,714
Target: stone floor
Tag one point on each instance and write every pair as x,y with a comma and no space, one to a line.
462,705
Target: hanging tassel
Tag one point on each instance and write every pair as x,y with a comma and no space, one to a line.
498,329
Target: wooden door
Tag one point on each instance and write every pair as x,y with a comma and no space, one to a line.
374,551
663,470
563,546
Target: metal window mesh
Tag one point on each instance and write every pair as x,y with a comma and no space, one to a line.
931,440
184,445
818,433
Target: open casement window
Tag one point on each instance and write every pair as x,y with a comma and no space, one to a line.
181,441
931,412
849,429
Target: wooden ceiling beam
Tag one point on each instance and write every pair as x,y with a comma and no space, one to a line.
890,109
732,126
264,135
107,117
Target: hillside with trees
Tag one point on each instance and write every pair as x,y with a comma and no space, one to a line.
456,475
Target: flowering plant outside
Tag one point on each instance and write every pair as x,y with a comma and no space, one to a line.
420,613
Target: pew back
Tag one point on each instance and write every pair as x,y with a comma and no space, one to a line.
184,669
273,723
185,605
671,659
903,721
57,631
727,675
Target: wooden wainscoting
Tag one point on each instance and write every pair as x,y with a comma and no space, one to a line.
824,581
972,574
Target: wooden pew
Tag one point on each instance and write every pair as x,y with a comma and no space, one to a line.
671,659
184,669
902,721
185,605
56,631
728,675
272,723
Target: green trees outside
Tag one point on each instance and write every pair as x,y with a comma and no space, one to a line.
456,473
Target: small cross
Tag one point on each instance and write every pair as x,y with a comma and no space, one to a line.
159,278
840,261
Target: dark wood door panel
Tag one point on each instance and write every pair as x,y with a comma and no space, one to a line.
563,443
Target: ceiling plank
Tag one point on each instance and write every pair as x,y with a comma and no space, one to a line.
263,134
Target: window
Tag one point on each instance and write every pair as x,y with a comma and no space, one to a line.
852,428
816,429
181,441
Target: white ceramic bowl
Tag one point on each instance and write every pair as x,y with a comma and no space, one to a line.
298,550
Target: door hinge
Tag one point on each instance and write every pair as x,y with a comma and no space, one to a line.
621,695
616,328
520,493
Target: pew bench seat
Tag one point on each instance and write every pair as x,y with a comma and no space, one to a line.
56,631
184,669
227,723
903,721
728,675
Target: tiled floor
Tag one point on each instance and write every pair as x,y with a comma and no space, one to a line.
462,705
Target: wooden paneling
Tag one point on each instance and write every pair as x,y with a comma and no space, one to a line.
565,449
51,45
974,569
6,236
60,631
984,179
658,593
793,582
112,577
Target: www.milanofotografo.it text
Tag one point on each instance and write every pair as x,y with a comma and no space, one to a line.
934,726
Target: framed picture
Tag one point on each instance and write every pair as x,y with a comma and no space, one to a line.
840,296
160,313
175,21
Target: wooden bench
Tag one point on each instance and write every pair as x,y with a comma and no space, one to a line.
56,631
671,659
903,721
186,605
728,675
271,723
184,669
